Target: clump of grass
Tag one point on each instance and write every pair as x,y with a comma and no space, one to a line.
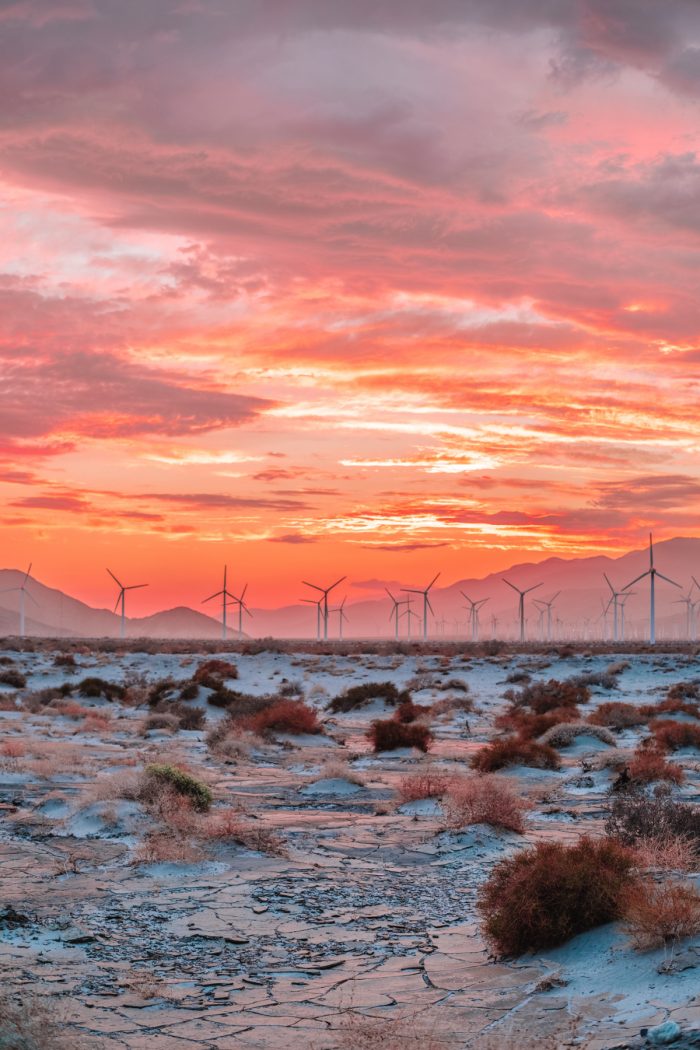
541,697
30,1023
617,715
230,825
514,751
483,800
564,734
649,765
213,673
97,688
543,896
424,784
657,915
182,783
15,679
362,695
283,716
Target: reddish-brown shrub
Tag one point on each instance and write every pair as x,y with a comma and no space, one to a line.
425,784
542,697
12,749
407,711
674,735
617,715
674,705
672,853
649,765
514,751
483,800
283,716
218,669
529,725
388,734
657,914
230,825
543,896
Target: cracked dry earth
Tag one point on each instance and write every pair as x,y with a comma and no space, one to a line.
371,912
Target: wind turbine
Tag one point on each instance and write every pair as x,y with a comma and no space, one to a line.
121,598
689,612
521,603
240,602
395,614
342,617
473,610
325,591
318,602
426,602
224,594
542,606
652,573
23,591
408,613
615,597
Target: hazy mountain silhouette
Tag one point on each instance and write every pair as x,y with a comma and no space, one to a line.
580,581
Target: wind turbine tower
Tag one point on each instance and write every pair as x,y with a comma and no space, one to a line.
325,591
24,592
652,573
473,610
242,607
395,615
121,600
521,603
426,602
224,594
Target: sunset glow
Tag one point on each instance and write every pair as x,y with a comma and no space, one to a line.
319,287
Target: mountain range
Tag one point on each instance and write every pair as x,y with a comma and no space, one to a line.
576,611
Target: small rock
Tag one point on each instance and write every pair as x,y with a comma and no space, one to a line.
663,1034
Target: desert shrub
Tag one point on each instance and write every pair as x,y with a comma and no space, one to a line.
15,679
362,695
674,853
388,735
448,705
407,711
190,717
424,784
518,677
189,691
674,735
229,742
230,825
659,914
182,783
649,765
483,800
30,1022
684,691
213,673
64,660
603,679
543,896
617,667
617,715
527,724
96,688
513,751
162,690
542,697
564,734
283,716
290,689
672,706
634,817
160,720
456,685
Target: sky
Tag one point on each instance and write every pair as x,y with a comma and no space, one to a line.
367,287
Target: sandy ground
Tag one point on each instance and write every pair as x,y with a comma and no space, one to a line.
369,912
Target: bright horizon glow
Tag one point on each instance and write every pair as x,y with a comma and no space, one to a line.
313,290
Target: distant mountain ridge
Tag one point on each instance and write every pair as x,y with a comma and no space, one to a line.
580,581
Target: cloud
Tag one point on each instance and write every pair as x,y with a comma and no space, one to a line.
293,538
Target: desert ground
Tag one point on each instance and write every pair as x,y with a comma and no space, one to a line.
202,849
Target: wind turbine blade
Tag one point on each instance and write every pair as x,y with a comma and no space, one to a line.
483,601
114,577
205,600
554,597
695,582
411,590
307,584
245,588
638,578
26,575
119,598
662,577
135,586
511,585
533,588
8,590
432,582
427,602
390,594
609,583
651,552
333,585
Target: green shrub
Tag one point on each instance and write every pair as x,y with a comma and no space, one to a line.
182,783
